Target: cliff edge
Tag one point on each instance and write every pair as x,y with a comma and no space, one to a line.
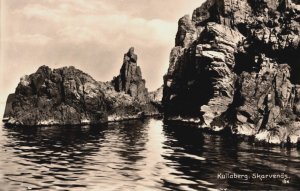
236,65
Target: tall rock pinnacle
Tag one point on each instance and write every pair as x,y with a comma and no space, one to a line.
130,78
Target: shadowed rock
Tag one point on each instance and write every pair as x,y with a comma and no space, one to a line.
130,78
8,107
60,96
236,64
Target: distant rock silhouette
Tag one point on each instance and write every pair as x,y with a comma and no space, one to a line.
156,98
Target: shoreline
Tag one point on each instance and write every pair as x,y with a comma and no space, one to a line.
222,132
120,119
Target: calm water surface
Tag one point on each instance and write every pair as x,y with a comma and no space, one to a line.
138,155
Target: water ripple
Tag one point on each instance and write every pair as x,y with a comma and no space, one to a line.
136,155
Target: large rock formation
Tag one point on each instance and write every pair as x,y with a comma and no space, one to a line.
59,96
69,96
236,64
130,78
127,94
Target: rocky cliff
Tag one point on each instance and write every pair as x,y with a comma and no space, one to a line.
236,65
60,96
69,96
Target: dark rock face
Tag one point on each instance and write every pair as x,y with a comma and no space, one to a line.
60,96
236,64
69,96
130,78
8,107
127,94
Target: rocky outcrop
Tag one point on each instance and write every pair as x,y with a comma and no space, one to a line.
67,96
127,94
156,98
235,65
122,106
8,107
130,79
60,96
157,95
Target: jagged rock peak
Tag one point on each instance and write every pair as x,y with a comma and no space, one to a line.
186,32
131,56
235,12
130,78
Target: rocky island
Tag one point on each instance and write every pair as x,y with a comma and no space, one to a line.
67,96
236,65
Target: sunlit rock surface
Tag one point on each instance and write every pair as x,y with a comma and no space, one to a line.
156,97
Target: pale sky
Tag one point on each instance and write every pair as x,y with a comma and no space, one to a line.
91,35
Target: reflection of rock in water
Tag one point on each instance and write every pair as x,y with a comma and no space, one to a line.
191,140
187,151
132,136
197,157
45,145
135,155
